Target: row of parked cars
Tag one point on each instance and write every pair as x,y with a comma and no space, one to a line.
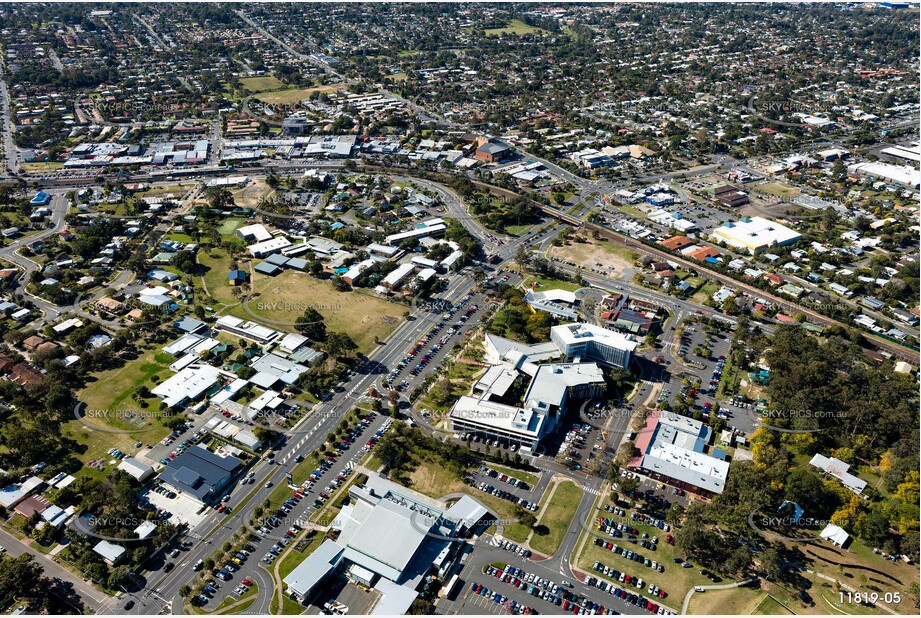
634,599
512,547
276,549
548,590
181,429
513,606
505,478
506,495
623,578
424,341
649,520
630,554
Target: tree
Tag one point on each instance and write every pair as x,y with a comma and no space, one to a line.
525,517
740,561
771,564
185,590
120,578
20,577
340,344
628,485
311,325
675,513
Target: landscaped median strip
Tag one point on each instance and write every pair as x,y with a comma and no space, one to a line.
557,516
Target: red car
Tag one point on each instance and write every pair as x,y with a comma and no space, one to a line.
246,582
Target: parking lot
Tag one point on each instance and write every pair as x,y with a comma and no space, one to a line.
510,488
547,591
580,448
695,381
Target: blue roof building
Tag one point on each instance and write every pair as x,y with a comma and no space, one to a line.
41,199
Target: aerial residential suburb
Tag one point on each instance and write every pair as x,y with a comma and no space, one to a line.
460,308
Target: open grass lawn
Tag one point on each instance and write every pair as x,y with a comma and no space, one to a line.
258,84
518,230
778,190
292,95
229,226
632,211
706,291
179,237
278,301
735,601
897,576
546,283
176,190
217,265
557,517
110,398
516,26
769,606
676,581
397,77
41,167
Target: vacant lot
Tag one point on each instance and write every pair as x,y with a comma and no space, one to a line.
279,301
258,84
292,95
614,259
557,518
777,190
250,195
175,191
516,26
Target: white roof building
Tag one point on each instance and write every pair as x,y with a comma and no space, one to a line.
755,235
254,233
839,470
398,275
246,329
187,385
137,469
110,552
835,534
588,342
268,247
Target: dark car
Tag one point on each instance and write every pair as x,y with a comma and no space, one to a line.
129,604
169,567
